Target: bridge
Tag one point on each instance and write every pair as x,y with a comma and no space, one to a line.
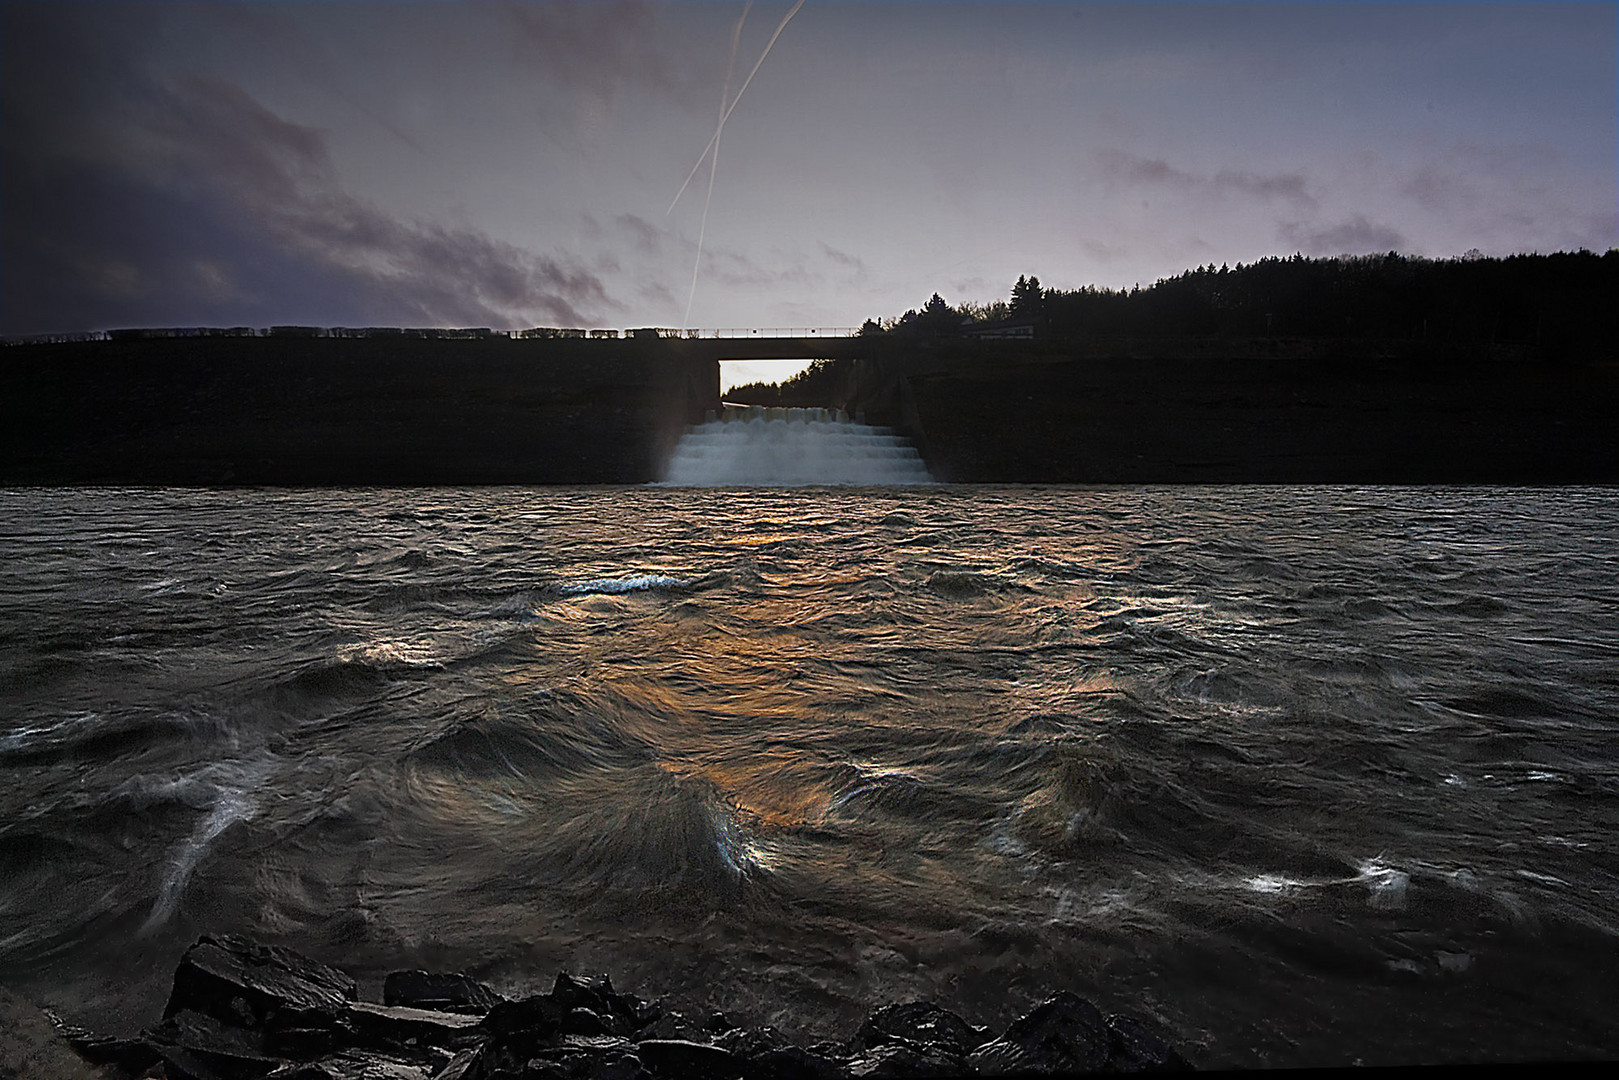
439,333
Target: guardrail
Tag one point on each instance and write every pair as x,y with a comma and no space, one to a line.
436,333
777,331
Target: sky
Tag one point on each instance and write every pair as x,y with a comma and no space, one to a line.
353,163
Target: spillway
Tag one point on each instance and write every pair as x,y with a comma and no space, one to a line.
771,447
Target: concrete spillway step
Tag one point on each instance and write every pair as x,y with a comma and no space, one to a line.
792,447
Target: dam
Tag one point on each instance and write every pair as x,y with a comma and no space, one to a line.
300,406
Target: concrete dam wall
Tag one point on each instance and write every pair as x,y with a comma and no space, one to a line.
497,410
1181,411
328,411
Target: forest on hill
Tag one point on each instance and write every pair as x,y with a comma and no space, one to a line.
1559,305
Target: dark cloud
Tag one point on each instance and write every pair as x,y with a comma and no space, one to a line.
737,269
1356,236
1289,187
1438,189
134,201
648,237
843,258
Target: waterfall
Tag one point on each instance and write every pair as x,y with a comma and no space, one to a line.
759,447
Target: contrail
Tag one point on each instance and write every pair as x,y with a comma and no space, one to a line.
714,163
727,114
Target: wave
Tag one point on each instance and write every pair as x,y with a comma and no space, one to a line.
620,586
551,735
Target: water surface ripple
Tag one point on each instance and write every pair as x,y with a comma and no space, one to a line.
1311,775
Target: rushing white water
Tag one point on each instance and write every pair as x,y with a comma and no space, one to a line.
792,448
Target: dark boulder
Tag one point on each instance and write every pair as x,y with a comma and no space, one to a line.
767,1055
386,1026
680,1059
515,1031
241,1011
1063,1034
261,987
441,992
356,1065
466,1065
673,1025
593,1007
1136,1048
196,1046
920,1025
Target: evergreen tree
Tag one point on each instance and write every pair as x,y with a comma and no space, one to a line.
1028,299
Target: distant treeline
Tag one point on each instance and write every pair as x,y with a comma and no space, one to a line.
822,382
1562,302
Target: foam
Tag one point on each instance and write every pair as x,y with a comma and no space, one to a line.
1386,885
793,448
619,586
229,787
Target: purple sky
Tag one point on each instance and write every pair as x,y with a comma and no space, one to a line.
509,165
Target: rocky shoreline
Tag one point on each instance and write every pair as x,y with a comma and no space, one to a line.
243,1011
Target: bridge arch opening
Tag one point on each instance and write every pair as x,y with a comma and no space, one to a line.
735,373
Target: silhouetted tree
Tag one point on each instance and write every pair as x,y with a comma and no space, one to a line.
1028,299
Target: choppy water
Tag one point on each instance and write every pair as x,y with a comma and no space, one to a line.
1312,775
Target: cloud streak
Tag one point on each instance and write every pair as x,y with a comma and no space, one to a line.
1288,187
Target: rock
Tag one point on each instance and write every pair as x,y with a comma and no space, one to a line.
538,1014
354,1065
577,1065
384,1026
767,1055
516,1031
443,993
263,987
794,1063
464,1066
1063,1034
31,1048
595,1057
905,1059
918,1024
240,1011
197,1046
669,1059
673,1025
1136,1048
129,1057
594,1008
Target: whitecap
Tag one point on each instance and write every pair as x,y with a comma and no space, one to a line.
1455,962
29,736
1272,884
228,788
395,652
1386,884
618,586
